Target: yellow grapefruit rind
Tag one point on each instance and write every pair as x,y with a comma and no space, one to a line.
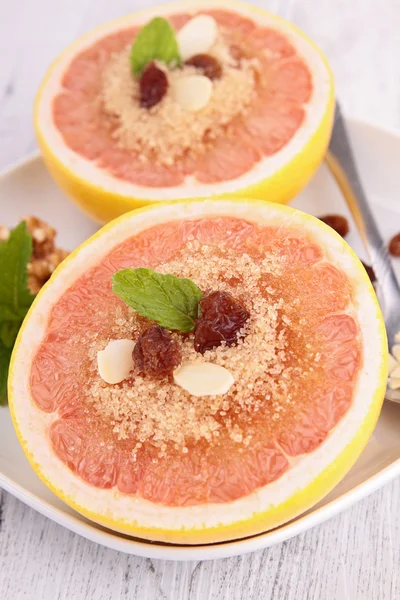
273,516
104,205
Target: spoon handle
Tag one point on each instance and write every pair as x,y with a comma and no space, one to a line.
341,163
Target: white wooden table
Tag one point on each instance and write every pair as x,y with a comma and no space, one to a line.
355,556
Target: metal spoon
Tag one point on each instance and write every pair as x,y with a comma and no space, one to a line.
341,163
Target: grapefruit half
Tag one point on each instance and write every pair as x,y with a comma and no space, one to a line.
278,450
270,153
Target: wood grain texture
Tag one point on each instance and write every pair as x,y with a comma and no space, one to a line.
354,556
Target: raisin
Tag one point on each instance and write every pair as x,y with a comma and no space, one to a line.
394,245
370,272
156,352
338,223
209,65
153,86
222,317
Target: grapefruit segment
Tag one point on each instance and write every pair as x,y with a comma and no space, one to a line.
68,110
202,476
129,450
83,74
290,80
122,164
302,437
330,405
276,45
273,124
337,329
229,158
179,20
97,463
294,251
233,477
98,467
81,138
325,282
67,442
235,22
345,364
128,476
299,252
49,390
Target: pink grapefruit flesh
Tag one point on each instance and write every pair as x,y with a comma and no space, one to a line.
209,472
275,116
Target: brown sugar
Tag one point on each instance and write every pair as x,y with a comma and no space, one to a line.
160,412
166,131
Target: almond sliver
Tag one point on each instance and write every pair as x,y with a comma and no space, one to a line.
192,92
203,379
396,352
197,36
115,362
394,383
392,364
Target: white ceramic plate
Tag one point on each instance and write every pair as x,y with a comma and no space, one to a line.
28,189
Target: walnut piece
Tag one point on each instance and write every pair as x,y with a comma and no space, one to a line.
42,236
45,255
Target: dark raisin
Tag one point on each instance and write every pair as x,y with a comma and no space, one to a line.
370,272
156,352
394,245
338,223
153,86
209,65
222,317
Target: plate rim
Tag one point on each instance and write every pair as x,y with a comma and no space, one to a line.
177,552
182,553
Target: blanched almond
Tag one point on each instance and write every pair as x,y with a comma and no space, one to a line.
396,351
115,362
192,92
394,383
392,364
203,379
197,36
396,372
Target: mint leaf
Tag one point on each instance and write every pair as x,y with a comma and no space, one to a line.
155,41
8,314
8,333
170,301
15,298
5,355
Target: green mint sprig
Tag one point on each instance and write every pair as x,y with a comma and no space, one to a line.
155,41
15,297
172,302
